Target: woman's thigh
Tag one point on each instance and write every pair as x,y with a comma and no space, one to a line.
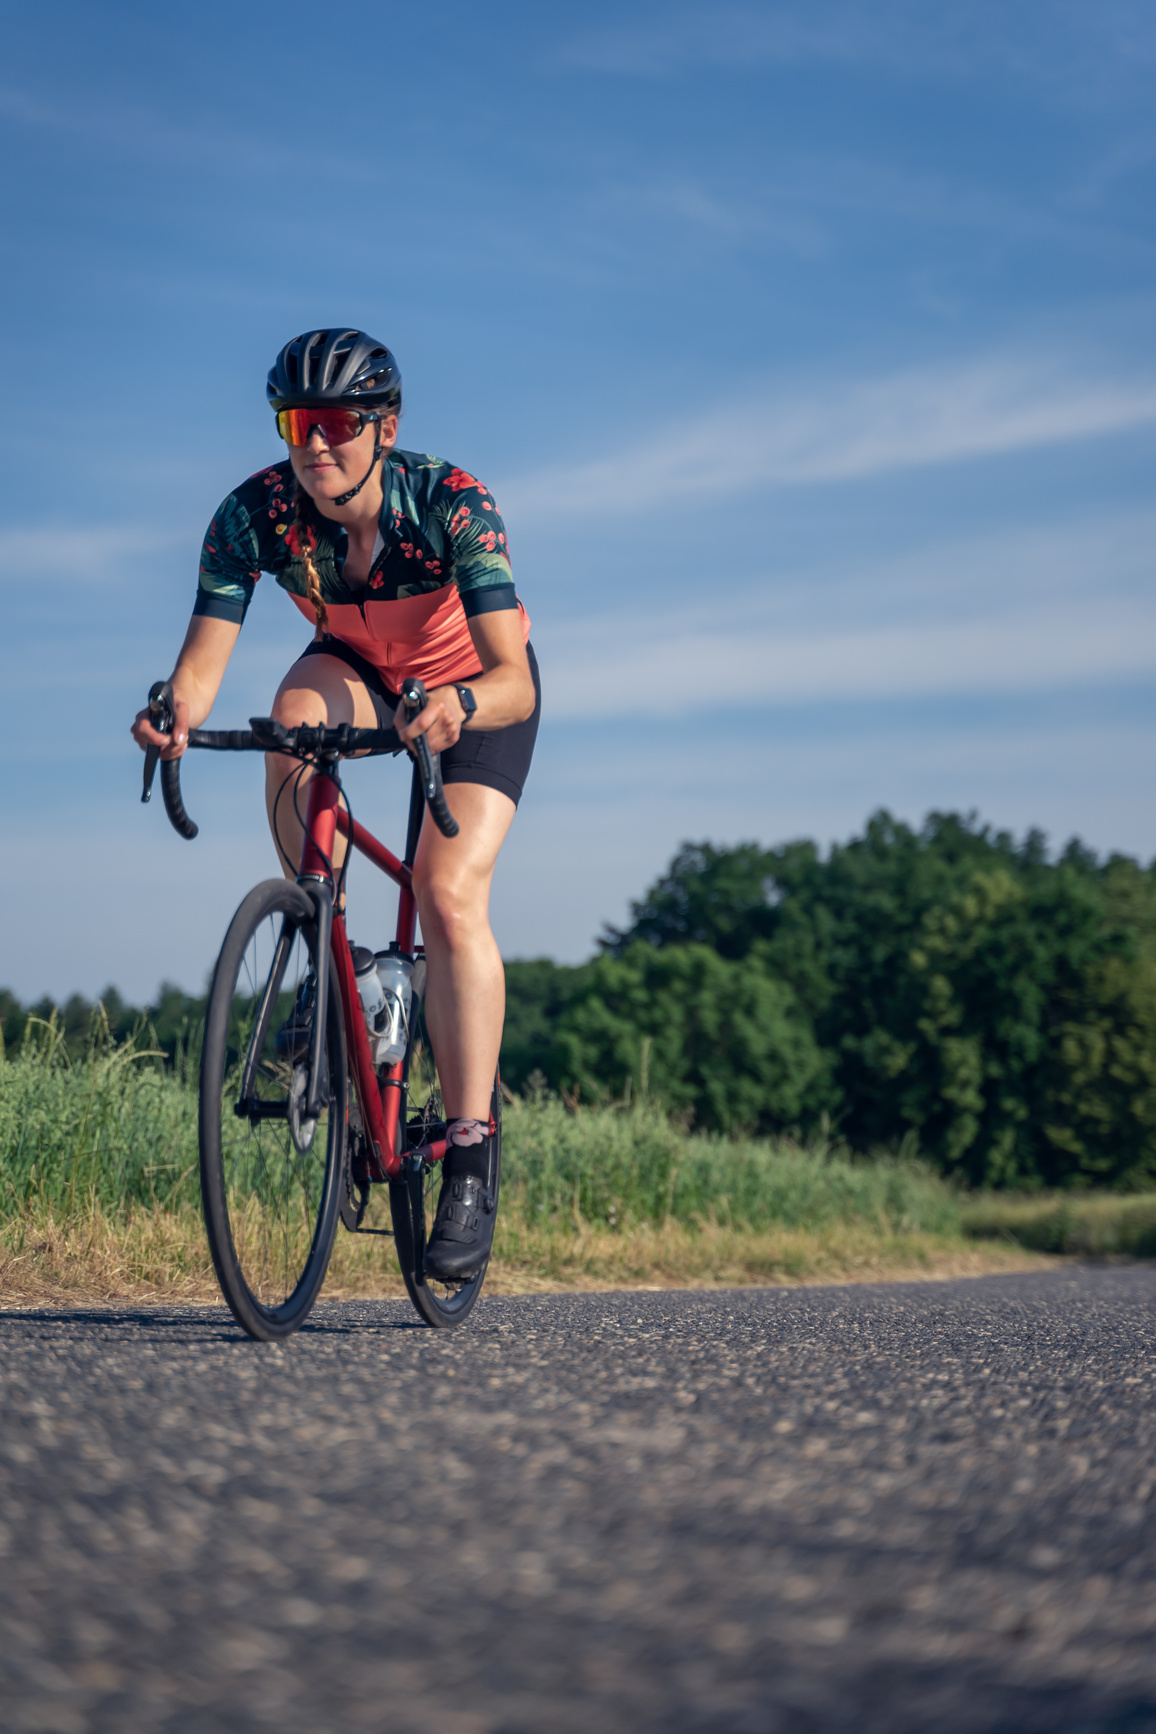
324,690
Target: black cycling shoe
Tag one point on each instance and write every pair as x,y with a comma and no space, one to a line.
295,1036
463,1230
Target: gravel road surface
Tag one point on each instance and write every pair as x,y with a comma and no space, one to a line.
923,1507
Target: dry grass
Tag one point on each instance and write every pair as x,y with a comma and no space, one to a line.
161,1255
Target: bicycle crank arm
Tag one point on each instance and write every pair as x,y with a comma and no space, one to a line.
434,1152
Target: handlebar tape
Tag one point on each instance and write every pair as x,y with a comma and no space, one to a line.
413,696
268,735
174,806
162,712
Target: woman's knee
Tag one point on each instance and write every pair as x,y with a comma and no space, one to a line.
322,691
452,905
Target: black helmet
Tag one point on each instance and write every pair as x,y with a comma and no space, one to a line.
335,367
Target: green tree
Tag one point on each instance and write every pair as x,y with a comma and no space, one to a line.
537,992
961,987
720,1038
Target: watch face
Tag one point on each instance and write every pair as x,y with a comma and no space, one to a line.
469,702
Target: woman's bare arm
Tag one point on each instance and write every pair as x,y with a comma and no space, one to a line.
196,681
504,690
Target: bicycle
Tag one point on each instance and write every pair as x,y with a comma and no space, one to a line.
293,1138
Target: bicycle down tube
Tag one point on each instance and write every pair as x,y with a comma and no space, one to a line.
379,1092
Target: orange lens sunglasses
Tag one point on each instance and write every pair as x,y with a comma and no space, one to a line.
338,426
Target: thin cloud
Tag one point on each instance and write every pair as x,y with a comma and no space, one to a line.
1087,47
214,145
93,555
1026,613
909,420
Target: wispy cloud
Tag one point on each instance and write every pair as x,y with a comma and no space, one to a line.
787,438
210,143
95,555
1078,44
727,35
1030,612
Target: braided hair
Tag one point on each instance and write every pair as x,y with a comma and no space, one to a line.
304,544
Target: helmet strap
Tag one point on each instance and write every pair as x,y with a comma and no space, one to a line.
344,499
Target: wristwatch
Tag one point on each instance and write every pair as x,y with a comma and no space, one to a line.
469,702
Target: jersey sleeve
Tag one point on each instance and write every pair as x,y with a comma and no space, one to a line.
230,563
479,555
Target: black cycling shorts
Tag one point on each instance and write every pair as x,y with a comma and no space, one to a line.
496,758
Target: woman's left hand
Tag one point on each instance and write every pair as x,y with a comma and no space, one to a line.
441,720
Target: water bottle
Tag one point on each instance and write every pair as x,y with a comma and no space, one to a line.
369,987
395,978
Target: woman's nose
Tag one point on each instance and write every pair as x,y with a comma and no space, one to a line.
317,441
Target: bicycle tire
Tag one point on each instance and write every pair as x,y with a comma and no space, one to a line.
270,1181
413,1200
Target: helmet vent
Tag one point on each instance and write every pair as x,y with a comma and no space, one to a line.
335,366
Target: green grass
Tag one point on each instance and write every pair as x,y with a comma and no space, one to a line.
115,1128
1095,1225
99,1193
625,1167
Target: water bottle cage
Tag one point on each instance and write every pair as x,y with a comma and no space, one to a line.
391,1030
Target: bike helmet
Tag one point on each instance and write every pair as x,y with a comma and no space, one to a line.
333,367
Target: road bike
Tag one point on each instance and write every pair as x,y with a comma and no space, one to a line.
303,1107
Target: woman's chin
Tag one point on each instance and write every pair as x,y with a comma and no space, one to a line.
326,484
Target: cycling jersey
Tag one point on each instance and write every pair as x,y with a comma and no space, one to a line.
440,558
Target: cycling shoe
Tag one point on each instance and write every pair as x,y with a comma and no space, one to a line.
463,1230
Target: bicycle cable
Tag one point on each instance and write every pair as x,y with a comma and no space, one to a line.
278,844
295,777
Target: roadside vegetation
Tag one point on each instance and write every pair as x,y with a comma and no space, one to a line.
98,1163
929,1051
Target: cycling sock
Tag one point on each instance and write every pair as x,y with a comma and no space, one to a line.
467,1149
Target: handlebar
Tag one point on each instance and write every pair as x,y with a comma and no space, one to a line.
413,697
266,735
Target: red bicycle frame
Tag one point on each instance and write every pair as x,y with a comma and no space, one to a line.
380,1100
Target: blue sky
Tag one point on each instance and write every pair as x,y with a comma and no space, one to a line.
807,349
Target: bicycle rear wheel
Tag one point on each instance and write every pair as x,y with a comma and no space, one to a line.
270,1177
413,1198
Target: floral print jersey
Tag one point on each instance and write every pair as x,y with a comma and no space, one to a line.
441,558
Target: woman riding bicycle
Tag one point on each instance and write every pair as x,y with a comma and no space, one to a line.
400,562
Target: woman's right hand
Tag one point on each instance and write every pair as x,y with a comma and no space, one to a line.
171,746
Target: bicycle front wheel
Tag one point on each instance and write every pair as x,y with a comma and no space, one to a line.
271,1176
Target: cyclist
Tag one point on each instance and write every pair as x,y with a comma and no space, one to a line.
400,563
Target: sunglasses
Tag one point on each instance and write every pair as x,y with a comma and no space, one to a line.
338,426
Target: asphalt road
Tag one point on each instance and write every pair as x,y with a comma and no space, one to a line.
782,1511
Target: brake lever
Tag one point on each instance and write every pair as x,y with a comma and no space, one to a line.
162,715
414,698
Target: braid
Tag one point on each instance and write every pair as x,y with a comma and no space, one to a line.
305,542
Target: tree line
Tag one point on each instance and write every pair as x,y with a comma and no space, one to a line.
946,989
